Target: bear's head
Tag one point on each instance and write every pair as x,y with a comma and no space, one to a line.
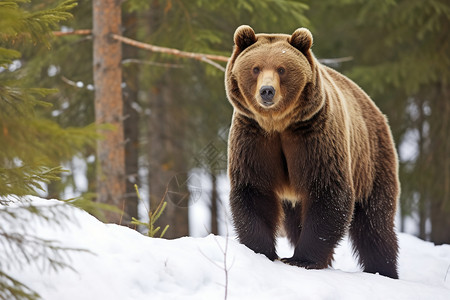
268,76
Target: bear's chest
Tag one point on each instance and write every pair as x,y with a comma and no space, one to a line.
289,158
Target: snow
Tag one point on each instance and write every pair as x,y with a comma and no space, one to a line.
124,264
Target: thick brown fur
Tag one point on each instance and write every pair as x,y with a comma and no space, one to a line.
309,152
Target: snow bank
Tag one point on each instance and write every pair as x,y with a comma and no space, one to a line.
123,264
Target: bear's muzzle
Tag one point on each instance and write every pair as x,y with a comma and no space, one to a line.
267,92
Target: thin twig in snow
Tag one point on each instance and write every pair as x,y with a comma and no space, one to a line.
224,251
210,260
446,273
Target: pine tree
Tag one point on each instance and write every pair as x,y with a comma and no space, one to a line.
67,68
32,146
109,105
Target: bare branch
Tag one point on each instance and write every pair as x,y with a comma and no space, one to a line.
208,58
79,85
74,32
198,56
145,62
335,60
69,82
213,64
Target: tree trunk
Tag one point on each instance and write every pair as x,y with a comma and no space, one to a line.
168,176
108,105
214,200
440,223
158,163
131,121
422,183
167,172
440,162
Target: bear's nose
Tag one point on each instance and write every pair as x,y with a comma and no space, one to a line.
267,92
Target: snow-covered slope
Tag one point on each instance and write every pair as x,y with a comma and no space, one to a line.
123,264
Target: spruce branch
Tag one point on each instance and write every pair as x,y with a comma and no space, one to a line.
27,179
11,288
21,247
21,25
153,217
97,209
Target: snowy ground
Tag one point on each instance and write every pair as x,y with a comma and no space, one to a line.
123,264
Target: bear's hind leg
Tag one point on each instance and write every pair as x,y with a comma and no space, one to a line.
373,236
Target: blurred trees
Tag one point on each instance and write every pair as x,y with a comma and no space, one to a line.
401,57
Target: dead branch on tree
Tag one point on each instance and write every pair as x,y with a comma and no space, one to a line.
152,63
207,58
73,32
79,84
337,60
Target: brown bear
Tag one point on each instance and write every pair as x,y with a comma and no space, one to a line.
309,153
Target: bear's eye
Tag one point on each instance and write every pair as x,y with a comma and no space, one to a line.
281,70
256,70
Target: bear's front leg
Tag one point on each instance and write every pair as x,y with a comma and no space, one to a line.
255,216
326,218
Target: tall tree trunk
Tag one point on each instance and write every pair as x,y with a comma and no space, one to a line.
131,120
168,176
158,149
440,162
167,172
422,183
214,200
109,105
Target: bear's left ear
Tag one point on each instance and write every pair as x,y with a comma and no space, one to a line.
301,39
244,36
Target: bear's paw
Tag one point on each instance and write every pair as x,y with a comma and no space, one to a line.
303,263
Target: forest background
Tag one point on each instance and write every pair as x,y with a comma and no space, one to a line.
157,119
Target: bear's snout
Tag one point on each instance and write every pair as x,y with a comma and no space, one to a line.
267,92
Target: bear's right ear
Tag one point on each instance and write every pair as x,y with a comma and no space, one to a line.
302,40
244,36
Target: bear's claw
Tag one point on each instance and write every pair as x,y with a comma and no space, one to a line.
302,263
